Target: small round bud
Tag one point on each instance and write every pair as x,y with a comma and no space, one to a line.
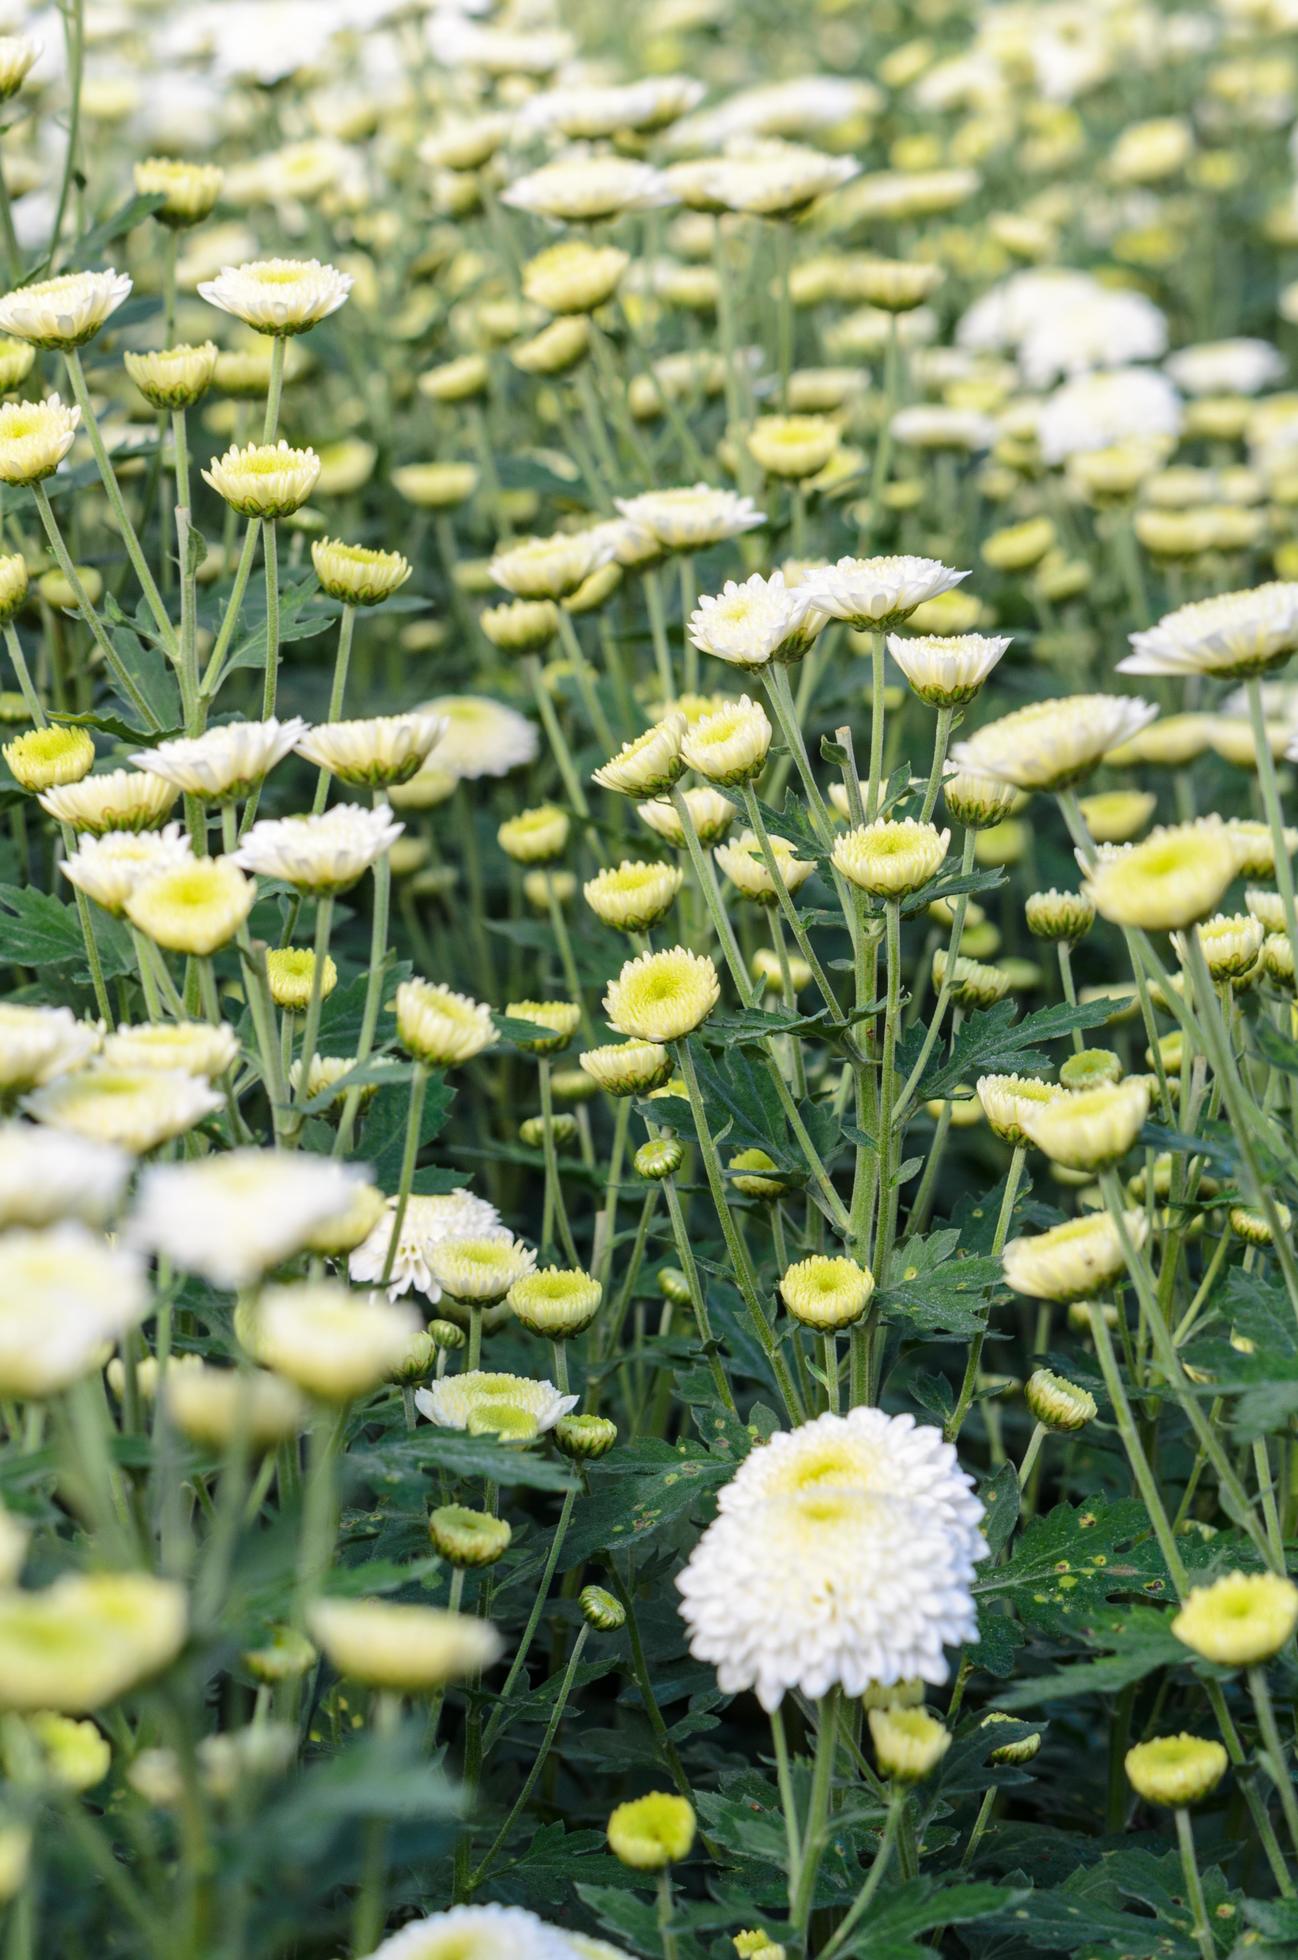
467,1538
447,1335
555,1021
601,1610
1241,1620
1022,1750
1090,1068
652,1832
658,1159
521,625
283,1657
1252,1226
909,1743
556,1302
531,1131
534,836
748,1162
584,1438
1057,1403
290,970
1060,916
418,1361
827,1293
1176,1770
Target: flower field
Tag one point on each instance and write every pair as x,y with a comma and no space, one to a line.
648,1029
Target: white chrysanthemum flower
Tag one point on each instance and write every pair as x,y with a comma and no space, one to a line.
404,1649
1176,876
189,190
891,857
650,763
324,853
109,868
1053,744
64,1292
194,1046
581,189
1073,1261
35,437
465,143
332,1342
551,568
487,1932
688,519
1229,635
278,296
936,425
486,1404
264,479
946,671
631,897
428,1222
882,1455
39,1043
1002,1096
1226,367
873,1588
628,1068
121,799
1089,1129
731,745
356,574
480,1271
483,737
662,996
138,1109
374,752
225,762
711,814
442,1027
87,1639
758,621
63,312
1099,411
874,593
174,377
197,907
47,1175
233,1216
772,179
744,864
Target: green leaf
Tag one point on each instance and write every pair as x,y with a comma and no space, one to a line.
383,1137
903,1911
89,249
637,1491
531,1467
939,1287
1142,1641
304,613
41,931
991,1042
149,669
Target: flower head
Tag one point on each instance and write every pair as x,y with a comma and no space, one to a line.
488,1932
761,620
908,1743
555,1302
1056,1403
480,1271
195,907
1176,1769
1053,744
744,863
235,1215
355,574
39,1043
1240,1620
226,762
136,1108
428,1223
197,1047
442,1027
1088,1129
874,593
121,799
1001,1097
729,746
173,377
35,437
483,737
651,763
827,1293
278,296
325,853
891,857
650,1832
688,519
491,1404
375,752
662,996
580,189
633,897
628,1068
188,190
1073,1261
46,1175
264,479
1227,636
63,312
551,568
405,1649
1170,880
947,671
87,1639
64,1292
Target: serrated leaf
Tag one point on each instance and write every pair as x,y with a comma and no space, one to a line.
40,931
637,1491
383,1134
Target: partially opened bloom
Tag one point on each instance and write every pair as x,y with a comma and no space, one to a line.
1088,1129
650,763
909,1743
761,620
947,671
1001,1097
195,907
875,593
235,1215
442,1027
1176,876
264,479
189,190
513,1407
551,568
555,1302
574,277
1053,744
374,752
44,758
628,1068
211,1406
47,1175
197,1047
632,897
555,1022
63,312
325,853
480,1271
1176,1770
64,1292
1242,1619
428,1223
744,864
404,1649
224,762
136,1108
39,1043
579,189
827,1293
688,519
87,1639
650,1832
35,437
1230,635
483,737
662,996
335,1344
891,857
729,746
1073,1261
357,575
278,296
121,799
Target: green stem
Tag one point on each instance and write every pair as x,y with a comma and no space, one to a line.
538,1762
120,672
134,549
969,1385
1276,1764
409,1156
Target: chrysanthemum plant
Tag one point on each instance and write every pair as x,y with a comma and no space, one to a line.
648,1302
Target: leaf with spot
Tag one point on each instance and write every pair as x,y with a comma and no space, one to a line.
938,1287
637,1492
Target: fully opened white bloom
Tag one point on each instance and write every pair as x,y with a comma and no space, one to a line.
487,1932
109,868
325,853
278,296
35,437
578,189
376,751
1052,744
65,311
136,1108
482,737
551,568
871,1587
39,1043
1097,411
760,620
483,1401
878,592
1232,633
1226,367
197,1047
945,671
429,1222
1060,322
232,1217
224,762
47,1174
687,519
890,1456
63,1293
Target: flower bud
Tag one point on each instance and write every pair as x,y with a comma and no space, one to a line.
1252,1226
747,1174
652,1832
521,626
48,757
1020,1751
555,1022
291,971
584,1438
283,1657
601,1610
532,1131
1056,1403
1090,1068
827,1293
467,1538
674,1286
976,801
1176,1770
448,1335
628,1068
536,835
1064,917
13,589
1242,1620
555,1302
658,1159
909,1743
